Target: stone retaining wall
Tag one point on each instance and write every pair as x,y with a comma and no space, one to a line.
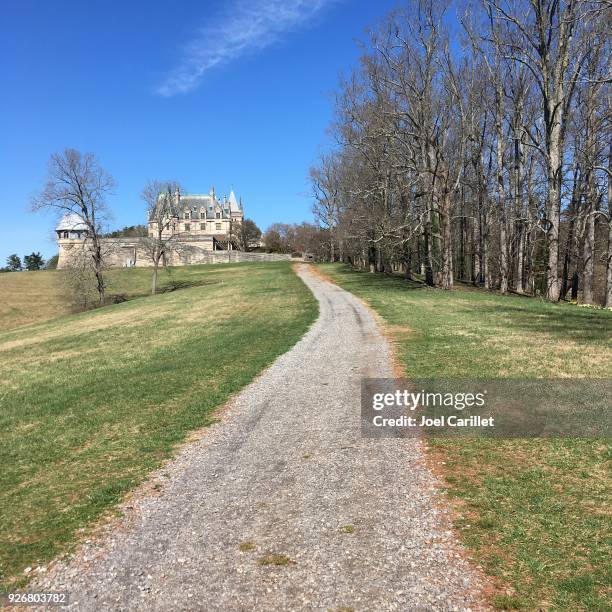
127,252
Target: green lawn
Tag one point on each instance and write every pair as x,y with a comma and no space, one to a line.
91,403
535,513
43,295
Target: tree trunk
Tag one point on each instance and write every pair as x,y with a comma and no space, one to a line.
484,236
447,242
520,256
588,255
97,262
519,157
501,203
380,266
154,278
429,279
372,258
574,294
407,259
571,233
553,213
588,247
462,233
608,298
475,258
100,286
530,230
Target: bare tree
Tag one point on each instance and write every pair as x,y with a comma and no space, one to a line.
326,191
245,233
161,199
78,184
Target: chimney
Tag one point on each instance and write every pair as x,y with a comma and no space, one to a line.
177,196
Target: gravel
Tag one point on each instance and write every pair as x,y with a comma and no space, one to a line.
282,505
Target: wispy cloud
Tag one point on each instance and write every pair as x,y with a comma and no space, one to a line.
244,27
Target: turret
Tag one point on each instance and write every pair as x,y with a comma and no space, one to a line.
234,207
71,227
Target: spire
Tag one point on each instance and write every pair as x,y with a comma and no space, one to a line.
233,202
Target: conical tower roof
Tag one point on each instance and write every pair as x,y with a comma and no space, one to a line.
233,202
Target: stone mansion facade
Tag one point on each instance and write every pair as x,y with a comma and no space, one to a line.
201,223
204,216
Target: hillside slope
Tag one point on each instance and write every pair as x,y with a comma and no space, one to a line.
33,297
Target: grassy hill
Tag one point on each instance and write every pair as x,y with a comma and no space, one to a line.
535,512
29,297
92,402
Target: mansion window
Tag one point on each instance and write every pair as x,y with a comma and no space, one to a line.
187,215
218,215
202,215
218,225
202,226
187,227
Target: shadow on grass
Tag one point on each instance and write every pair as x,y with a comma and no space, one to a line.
369,280
528,314
176,285
564,322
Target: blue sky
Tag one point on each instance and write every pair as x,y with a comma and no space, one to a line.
236,94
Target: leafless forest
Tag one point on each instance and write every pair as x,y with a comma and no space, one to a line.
473,145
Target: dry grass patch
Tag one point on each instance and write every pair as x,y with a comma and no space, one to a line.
275,559
29,297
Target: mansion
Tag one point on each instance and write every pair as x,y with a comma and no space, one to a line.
203,215
202,225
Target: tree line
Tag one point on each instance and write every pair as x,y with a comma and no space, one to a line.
296,238
477,149
31,262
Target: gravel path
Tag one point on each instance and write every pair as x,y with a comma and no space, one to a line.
286,473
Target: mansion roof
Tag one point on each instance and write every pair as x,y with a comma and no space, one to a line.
71,222
210,204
